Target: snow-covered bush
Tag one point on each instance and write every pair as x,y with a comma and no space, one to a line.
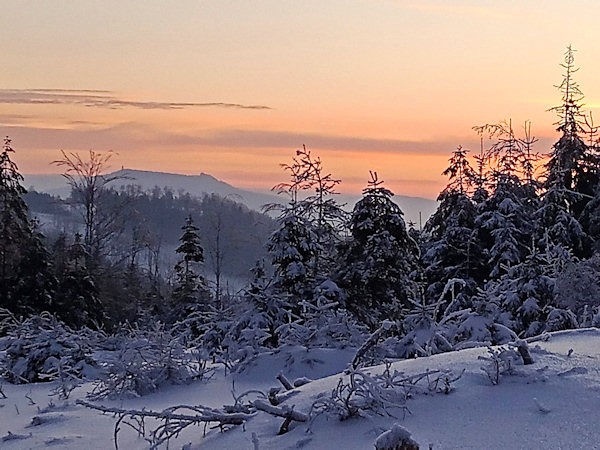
323,322
66,376
396,438
560,319
34,345
578,285
472,328
206,328
423,336
361,394
499,361
146,360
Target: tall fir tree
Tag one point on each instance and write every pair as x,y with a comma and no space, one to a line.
452,247
505,217
571,173
77,300
313,206
378,257
572,164
190,287
293,249
25,276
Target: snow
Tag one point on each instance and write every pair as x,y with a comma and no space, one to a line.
552,403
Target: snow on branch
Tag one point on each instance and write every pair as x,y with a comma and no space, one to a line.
289,414
371,342
173,419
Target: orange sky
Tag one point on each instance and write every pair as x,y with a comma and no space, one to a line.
232,88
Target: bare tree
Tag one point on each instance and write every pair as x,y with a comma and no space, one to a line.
89,185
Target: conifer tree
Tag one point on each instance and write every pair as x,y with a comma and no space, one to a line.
452,248
572,171
260,326
505,217
77,300
527,292
312,202
293,249
190,289
14,224
378,257
35,284
303,248
25,275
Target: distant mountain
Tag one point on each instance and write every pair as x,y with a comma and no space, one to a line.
52,184
199,185
195,185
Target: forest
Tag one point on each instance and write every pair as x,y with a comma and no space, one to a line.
511,253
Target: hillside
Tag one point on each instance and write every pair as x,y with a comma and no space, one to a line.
550,404
198,185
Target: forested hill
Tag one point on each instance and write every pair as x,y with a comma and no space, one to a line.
199,185
153,220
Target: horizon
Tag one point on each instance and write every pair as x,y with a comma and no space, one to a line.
269,191
233,89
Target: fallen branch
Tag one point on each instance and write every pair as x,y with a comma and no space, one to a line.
289,414
287,384
371,342
173,421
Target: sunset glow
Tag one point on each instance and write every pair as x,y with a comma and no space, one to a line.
232,88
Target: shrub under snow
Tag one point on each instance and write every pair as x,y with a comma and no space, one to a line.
146,360
36,346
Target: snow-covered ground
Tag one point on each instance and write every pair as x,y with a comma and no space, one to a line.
551,404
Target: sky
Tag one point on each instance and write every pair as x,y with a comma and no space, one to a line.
233,87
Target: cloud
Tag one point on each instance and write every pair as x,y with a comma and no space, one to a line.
134,137
101,99
289,140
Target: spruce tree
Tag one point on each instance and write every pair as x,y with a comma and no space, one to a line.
377,259
572,163
452,248
25,275
293,249
77,300
313,207
35,284
505,217
190,286
571,173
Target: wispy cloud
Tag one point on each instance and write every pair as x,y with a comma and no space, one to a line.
101,99
135,135
283,139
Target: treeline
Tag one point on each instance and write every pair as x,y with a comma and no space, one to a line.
511,251
150,223
108,255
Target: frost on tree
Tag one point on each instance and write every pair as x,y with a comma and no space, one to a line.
452,246
25,276
190,290
377,258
